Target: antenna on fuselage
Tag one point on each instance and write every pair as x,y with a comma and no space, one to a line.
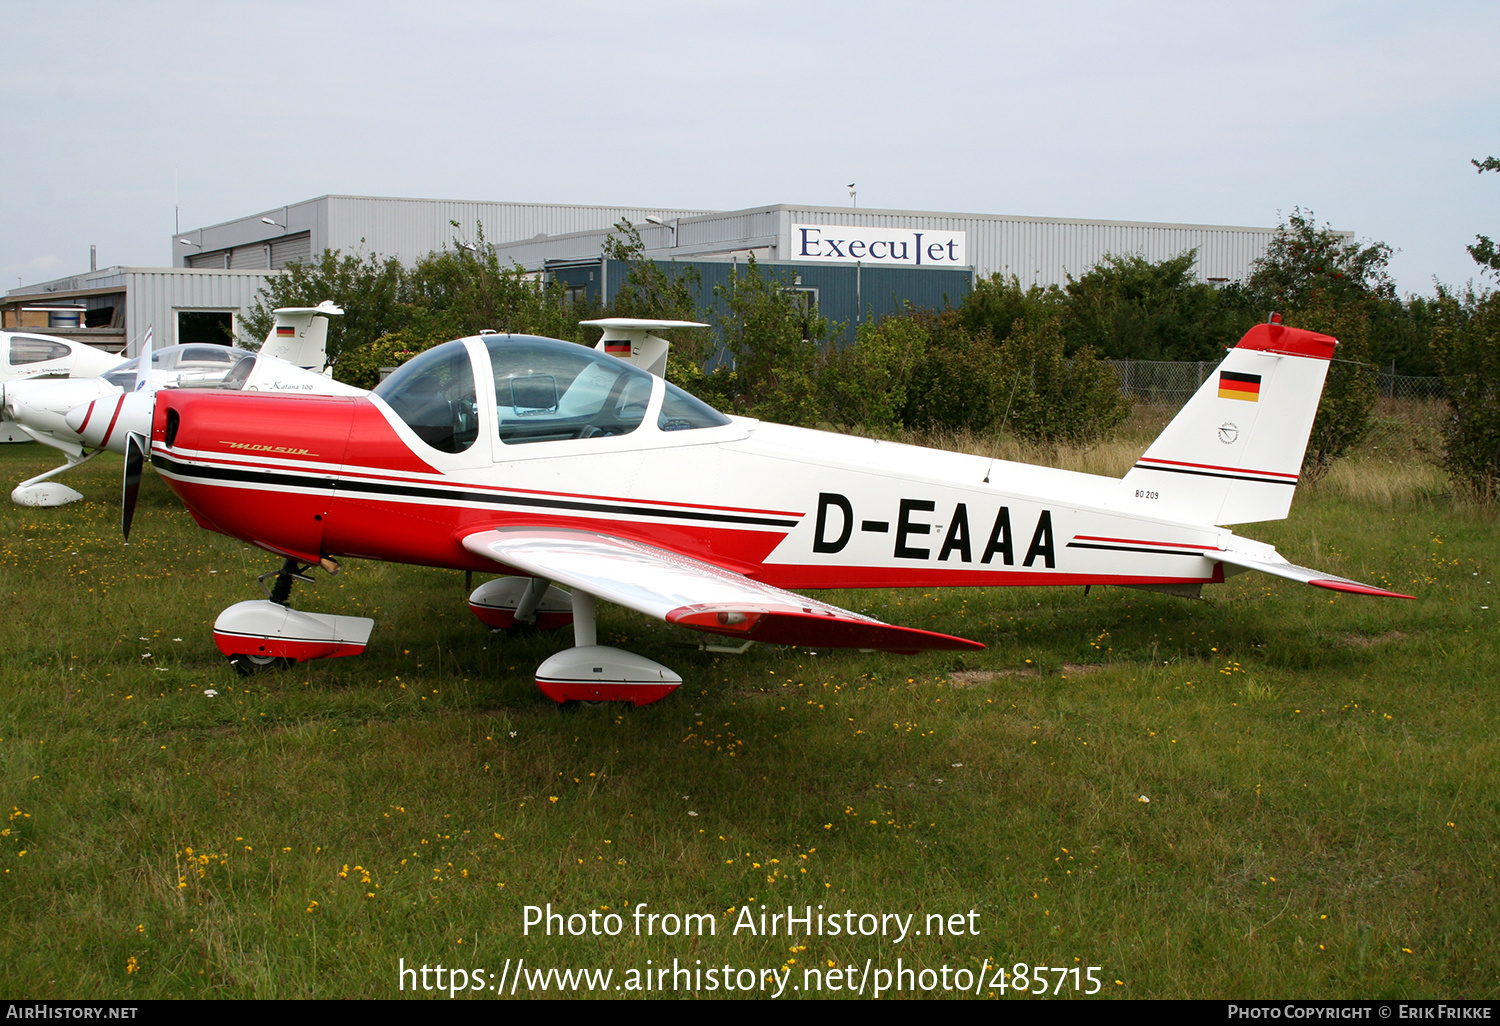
631,339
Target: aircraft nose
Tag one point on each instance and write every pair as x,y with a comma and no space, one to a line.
76,417
105,423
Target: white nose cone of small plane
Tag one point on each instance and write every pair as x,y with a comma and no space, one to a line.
105,423
42,406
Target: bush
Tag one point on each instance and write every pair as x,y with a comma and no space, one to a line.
1055,398
1466,346
1350,392
959,384
776,345
361,367
868,383
996,303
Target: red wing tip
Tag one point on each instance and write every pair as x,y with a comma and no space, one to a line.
815,628
1356,588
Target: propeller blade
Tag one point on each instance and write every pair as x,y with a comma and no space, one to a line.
135,458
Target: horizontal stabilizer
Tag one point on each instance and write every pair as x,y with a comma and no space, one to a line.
692,593
1292,572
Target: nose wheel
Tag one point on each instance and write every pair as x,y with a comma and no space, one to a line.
268,634
247,665
290,571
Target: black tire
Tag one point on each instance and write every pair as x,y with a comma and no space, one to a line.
247,665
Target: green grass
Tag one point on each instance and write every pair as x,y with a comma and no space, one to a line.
1321,772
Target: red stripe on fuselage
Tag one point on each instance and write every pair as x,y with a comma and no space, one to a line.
357,475
1138,541
1211,466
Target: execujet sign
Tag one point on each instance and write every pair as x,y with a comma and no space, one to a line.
879,245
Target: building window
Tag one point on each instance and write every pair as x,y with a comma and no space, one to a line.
211,326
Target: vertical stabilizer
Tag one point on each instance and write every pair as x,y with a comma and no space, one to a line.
300,335
1233,454
631,340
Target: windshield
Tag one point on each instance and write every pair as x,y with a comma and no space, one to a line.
434,394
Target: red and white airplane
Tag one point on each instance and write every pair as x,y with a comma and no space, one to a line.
553,462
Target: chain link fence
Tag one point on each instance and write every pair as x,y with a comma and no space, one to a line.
1172,383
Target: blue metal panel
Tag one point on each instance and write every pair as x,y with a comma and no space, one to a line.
847,294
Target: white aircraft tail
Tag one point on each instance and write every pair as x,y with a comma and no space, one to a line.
631,340
300,335
1233,454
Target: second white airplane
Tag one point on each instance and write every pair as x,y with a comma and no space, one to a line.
84,416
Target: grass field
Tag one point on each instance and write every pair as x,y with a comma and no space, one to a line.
1273,792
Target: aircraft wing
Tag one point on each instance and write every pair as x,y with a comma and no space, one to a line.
1292,572
692,593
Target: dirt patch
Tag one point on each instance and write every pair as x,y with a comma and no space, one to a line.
969,678
1363,641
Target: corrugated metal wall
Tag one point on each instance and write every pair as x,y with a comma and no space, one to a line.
1036,250
155,296
411,228
1045,251
293,247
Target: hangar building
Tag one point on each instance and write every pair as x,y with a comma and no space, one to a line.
850,263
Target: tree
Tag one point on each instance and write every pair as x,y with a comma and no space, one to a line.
1349,391
1303,259
1322,281
1484,251
1129,308
775,342
371,291
648,290
465,290
1466,345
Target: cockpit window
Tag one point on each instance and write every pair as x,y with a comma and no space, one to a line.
434,394
123,377
548,390
197,355
26,349
240,374
682,412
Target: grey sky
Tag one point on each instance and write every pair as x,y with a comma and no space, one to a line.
1207,113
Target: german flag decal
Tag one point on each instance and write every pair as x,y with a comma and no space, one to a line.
617,347
285,331
1239,386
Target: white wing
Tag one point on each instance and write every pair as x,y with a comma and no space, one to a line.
692,593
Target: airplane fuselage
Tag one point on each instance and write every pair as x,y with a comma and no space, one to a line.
345,477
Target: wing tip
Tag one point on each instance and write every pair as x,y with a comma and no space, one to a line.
815,629
1354,587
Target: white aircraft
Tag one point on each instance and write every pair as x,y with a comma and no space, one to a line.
552,462
29,355
83,417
